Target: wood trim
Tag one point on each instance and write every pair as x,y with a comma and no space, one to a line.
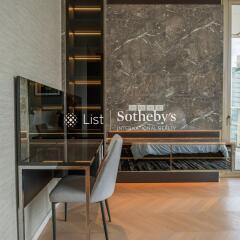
86,33
176,137
217,2
162,131
145,139
173,143
174,158
165,177
86,9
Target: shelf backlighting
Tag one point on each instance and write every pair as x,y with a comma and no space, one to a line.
82,82
86,9
86,58
86,33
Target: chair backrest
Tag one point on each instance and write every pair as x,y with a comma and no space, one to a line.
113,140
106,179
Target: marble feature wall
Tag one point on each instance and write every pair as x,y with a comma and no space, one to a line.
170,55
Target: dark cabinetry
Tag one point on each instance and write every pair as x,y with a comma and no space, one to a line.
84,84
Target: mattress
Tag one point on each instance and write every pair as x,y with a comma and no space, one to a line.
141,150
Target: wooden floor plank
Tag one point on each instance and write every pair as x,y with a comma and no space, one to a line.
165,211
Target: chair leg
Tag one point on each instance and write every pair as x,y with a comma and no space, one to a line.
108,210
53,221
65,212
104,220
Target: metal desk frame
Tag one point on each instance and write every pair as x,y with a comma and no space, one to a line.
21,219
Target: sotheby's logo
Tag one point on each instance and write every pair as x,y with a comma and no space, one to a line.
146,117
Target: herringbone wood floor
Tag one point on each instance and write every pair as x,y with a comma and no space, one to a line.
181,211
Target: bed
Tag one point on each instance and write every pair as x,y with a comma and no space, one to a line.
139,151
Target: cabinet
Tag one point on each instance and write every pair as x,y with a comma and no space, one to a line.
85,63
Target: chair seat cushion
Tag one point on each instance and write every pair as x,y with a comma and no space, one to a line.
70,189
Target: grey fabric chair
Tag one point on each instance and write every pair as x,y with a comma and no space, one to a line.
71,189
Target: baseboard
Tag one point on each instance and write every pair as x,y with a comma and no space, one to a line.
167,177
43,224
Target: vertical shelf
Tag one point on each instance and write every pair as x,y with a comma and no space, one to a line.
84,56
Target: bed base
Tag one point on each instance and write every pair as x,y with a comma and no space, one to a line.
173,137
167,177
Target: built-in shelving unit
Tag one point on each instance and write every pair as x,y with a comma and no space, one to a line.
84,56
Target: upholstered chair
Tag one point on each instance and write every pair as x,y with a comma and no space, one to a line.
71,189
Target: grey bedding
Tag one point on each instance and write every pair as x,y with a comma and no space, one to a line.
141,150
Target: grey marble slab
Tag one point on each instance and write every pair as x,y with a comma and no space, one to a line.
169,55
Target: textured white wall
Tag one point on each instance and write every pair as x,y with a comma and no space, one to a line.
30,46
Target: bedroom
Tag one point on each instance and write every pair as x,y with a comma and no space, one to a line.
125,119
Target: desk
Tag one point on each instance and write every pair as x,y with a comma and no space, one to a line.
69,155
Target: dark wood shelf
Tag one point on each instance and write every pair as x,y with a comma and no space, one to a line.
86,8
85,82
86,33
91,130
47,108
86,107
86,58
75,3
